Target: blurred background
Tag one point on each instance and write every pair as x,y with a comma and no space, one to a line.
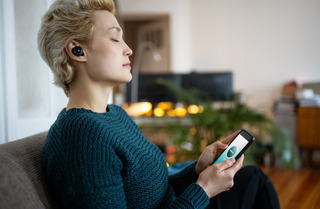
266,44
261,54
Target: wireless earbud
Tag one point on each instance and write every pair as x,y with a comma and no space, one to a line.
77,50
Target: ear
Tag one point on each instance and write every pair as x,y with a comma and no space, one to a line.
69,48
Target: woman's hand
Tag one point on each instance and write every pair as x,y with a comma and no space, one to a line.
218,177
211,152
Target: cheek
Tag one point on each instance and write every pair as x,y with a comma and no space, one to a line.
108,56
105,47
104,57
106,50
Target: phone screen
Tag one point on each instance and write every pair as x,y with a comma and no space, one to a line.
233,149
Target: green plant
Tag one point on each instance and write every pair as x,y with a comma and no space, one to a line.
214,123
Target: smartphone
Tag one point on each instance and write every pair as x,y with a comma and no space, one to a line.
237,146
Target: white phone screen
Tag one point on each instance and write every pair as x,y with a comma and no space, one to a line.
233,149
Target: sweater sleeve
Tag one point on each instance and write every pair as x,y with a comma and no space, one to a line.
183,179
193,197
187,193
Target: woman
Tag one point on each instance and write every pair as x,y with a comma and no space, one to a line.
95,156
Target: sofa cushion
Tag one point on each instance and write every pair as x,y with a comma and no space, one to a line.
22,181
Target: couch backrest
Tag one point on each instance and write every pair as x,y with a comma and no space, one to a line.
22,181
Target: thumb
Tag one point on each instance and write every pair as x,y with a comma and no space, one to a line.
224,165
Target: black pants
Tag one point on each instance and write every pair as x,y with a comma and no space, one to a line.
252,190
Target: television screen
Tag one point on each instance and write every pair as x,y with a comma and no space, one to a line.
213,86
151,88
217,86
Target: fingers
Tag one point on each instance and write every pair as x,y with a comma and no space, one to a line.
231,165
237,165
212,148
220,145
224,165
229,138
219,177
212,151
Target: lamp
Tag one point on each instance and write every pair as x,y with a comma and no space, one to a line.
136,66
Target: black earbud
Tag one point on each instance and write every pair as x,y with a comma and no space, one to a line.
77,50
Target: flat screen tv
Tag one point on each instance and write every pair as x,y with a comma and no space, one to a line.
216,86
151,88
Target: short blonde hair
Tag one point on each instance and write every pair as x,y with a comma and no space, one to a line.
67,20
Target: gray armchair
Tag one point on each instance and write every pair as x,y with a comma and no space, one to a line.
22,181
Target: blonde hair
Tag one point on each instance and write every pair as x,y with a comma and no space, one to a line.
67,20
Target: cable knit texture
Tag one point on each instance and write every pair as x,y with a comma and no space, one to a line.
102,160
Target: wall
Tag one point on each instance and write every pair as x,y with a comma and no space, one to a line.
2,112
29,100
8,71
33,74
266,43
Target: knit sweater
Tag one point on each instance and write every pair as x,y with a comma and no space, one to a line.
102,160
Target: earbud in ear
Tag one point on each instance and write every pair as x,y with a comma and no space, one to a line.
77,50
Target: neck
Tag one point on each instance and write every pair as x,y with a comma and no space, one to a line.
92,98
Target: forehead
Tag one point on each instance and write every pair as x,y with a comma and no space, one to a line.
106,21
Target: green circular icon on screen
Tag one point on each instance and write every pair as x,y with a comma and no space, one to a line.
232,151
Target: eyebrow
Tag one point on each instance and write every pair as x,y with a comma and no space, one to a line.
116,28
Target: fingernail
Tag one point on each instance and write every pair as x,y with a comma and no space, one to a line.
232,160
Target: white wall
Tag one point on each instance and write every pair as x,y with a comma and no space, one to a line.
33,75
2,112
29,100
266,43
8,71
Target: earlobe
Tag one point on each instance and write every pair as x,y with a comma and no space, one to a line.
75,51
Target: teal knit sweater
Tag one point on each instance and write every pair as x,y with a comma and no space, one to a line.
102,160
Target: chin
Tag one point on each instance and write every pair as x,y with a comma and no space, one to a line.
126,79
129,78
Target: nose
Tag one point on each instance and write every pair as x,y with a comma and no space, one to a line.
128,51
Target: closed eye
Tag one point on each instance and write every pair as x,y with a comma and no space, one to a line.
115,40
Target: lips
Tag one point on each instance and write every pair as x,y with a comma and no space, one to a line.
127,64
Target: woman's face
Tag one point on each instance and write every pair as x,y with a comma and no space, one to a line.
108,55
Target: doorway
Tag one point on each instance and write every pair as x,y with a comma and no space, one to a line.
139,29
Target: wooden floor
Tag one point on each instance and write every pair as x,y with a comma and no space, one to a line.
297,189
